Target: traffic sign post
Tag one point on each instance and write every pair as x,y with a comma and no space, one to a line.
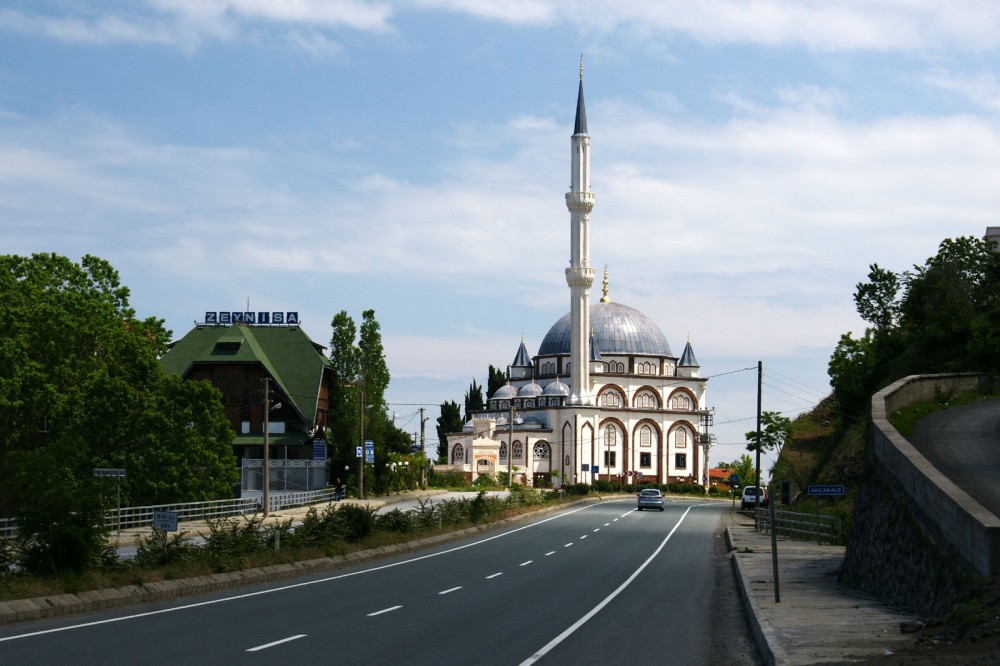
369,451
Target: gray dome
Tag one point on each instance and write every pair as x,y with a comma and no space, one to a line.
505,392
531,390
556,389
618,329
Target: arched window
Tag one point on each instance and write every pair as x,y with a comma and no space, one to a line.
540,450
645,436
619,367
529,403
611,398
458,454
610,437
645,400
503,450
680,401
680,438
518,450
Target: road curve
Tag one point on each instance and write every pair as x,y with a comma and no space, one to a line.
963,443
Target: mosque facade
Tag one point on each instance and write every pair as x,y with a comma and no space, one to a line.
604,398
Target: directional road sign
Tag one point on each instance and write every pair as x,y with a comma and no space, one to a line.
826,490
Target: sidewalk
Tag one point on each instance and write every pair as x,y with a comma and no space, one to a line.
815,621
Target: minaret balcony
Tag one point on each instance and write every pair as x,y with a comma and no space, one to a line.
578,276
580,202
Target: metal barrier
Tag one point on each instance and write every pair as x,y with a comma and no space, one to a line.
142,516
801,526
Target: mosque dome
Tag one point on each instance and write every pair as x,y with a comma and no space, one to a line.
531,390
617,329
556,389
505,392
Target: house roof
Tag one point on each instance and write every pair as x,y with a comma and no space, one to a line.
295,362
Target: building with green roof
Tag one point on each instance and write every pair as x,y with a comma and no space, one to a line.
239,359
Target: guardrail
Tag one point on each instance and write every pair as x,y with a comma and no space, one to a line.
801,526
142,516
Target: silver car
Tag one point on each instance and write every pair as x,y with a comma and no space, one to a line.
650,498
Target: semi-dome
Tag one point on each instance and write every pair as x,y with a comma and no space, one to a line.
617,329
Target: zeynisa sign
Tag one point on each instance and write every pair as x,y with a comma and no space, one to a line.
262,318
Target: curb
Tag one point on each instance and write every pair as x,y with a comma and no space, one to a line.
768,648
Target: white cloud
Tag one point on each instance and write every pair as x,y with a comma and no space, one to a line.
817,25
982,89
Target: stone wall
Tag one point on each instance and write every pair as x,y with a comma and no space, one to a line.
916,538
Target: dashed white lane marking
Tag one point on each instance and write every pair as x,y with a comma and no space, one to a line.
606,524
584,536
454,589
568,545
597,529
551,552
524,564
494,575
615,520
384,610
272,644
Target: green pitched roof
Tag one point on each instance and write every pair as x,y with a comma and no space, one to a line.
294,361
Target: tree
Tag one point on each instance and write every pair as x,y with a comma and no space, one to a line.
473,400
345,398
494,381
877,301
744,468
449,421
775,430
82,387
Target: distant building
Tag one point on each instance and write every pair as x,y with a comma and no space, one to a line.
604,397
236,359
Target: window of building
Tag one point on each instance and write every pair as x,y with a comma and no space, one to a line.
681,461
645,436
611,399
680,401
458,454
645,400
503,450
518,450
645,460
540,450
609,459
680,438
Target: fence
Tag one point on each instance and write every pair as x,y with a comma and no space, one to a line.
283,475
801,526
142,516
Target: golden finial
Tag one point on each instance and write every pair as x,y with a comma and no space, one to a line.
581,67
605,298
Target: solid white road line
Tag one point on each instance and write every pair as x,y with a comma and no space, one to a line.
454,589
283,640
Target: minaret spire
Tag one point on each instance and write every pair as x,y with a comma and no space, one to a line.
580,274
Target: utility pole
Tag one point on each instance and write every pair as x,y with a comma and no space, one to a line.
760,374
423,441
267,455
364,451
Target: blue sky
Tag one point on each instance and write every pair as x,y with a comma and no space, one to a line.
749,159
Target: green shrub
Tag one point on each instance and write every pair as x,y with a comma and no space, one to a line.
395,521
358,521
158,549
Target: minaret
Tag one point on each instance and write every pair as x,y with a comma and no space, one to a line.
580,274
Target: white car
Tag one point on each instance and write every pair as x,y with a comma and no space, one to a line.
751,495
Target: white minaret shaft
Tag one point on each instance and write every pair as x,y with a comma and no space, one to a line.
580,274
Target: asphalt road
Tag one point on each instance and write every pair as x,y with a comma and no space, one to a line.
600,583
963,443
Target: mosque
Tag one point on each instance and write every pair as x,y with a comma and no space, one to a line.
604,397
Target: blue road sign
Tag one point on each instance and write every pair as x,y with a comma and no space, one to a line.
357,451
826,490
734,479
593,469
369,451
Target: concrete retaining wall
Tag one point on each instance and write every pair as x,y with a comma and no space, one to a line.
969,530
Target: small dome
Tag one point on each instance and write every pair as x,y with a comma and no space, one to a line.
556,389
505,392
531,390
